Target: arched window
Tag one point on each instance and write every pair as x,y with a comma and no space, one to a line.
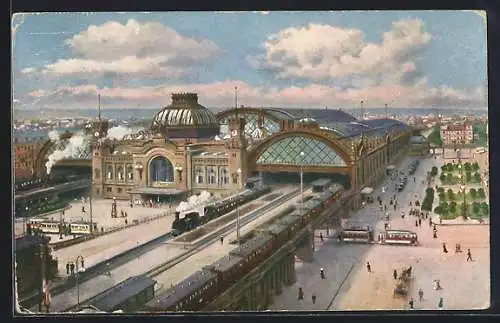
161,170
109,172
212,179
198,175
130,173
120,173
224,176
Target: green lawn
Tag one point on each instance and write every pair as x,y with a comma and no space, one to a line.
459,198
458,212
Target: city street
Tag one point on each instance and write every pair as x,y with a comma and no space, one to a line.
348,285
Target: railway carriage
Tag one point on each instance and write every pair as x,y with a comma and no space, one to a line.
128,296
194,292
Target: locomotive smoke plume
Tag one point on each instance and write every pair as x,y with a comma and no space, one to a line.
194,201
53,136
75,145
119,132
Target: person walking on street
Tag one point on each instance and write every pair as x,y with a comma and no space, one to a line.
420,295
321,236
444,248
411,303
440,304
221,240
416,223
368,267
67,268
313,297
469,255
395,274
419,222
322,273
301,294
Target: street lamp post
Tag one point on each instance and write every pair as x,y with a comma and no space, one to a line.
301,181
238,213
80,268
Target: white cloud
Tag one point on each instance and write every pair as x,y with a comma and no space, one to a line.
321,52
313,96
138,49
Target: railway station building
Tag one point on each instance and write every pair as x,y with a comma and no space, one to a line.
189,149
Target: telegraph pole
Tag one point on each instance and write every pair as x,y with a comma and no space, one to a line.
362,111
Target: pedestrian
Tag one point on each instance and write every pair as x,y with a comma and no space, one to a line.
411,303
402,214
72,268
458,248
321,237
435,228
444,248
126,222
419,222
420,295
394,207
430,222
221,240
434,235
83,209
414,179
322,273
368,267
416,223
395,274
385,207
313,296
390,202
67,269
440,304
410,203
301,294
469,255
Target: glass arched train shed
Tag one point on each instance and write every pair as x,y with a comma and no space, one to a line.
319,141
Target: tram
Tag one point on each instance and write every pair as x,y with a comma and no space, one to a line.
356,234
399,237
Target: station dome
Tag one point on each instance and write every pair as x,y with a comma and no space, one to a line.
185,118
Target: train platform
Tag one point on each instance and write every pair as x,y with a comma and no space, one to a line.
338,261
216,250
116,245
109,245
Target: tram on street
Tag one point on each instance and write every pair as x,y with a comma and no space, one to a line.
54,227
399,237
356,234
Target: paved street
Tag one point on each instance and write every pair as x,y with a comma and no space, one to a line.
348,286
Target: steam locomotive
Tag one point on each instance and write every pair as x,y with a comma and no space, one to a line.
189,220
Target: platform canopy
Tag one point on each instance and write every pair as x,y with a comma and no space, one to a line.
157,191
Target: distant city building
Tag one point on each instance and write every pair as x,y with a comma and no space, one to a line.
457,134
25,156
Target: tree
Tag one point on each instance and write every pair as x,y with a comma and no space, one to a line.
477,177
481,193
442,178
475,167
438,209
468,176
473,193
453,207
451,194
485,208
442,197
467,167
475,207
441,190
449,178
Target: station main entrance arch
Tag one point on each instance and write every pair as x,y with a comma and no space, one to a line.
282,157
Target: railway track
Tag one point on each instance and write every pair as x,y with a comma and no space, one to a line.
207,241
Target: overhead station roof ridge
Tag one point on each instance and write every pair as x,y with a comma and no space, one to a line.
337,121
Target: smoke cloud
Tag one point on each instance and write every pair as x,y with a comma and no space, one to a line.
194,201
119,132
54,135
76,145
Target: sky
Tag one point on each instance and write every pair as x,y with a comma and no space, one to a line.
405,59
